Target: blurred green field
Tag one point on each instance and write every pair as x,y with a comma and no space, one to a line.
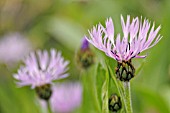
61,24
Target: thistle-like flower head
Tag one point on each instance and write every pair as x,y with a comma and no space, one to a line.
42,68
137,36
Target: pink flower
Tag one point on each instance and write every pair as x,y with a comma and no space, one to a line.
13,47
41,68
66,97
137,36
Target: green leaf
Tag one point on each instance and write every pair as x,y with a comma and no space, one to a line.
90,95
100,79
105,94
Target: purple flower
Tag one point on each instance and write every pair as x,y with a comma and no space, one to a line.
66,97
41,68
85,44
137,36
13,47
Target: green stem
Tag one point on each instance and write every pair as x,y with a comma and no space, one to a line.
127,95
48,106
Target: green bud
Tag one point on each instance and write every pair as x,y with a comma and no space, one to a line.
115,103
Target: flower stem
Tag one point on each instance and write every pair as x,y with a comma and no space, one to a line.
127,95
48,106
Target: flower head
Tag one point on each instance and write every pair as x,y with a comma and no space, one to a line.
13,47
137,36
41,68
66,97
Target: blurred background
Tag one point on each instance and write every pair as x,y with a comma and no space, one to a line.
28,25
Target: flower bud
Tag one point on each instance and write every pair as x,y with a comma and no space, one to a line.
85,57
44,92
125,71
114,103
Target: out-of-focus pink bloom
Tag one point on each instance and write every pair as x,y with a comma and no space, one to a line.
13,47
66,97
41,68
137,37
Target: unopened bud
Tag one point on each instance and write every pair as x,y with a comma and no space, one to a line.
85,57
115,103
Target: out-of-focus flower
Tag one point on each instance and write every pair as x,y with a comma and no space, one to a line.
66,97
85,57
41,69
13,47
137,36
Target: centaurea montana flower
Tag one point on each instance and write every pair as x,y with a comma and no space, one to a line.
137,37
41,68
